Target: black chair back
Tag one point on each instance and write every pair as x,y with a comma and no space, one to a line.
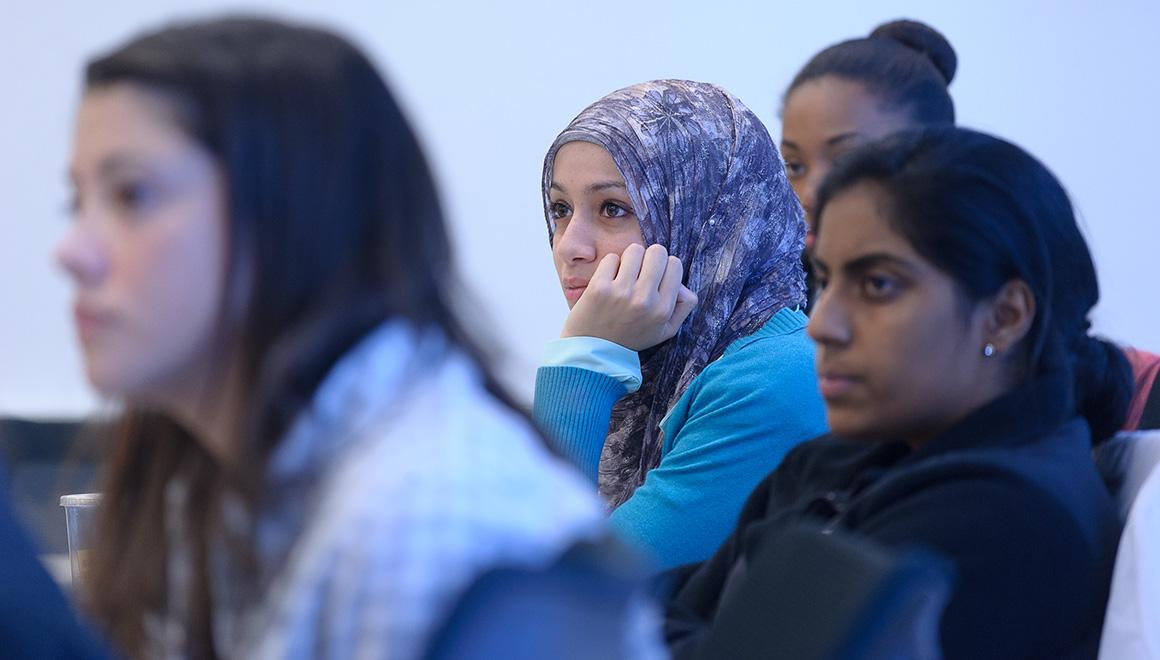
808,593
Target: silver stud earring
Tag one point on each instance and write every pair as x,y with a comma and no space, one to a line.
988,349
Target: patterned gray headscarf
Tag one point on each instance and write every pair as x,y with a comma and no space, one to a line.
707,182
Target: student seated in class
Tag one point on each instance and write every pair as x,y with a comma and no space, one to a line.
313,458
964,394
682,374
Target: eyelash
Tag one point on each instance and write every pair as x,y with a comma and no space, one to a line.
130,198
131,195
560,210
867,287
605,206
873,285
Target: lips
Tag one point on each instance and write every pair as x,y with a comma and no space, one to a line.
573,288
835,386
90,321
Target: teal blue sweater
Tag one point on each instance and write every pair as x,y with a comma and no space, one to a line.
732,426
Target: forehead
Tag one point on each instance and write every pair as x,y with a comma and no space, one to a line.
577,162
855,223
125,117
829,106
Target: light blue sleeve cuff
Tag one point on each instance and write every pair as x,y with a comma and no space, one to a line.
595,354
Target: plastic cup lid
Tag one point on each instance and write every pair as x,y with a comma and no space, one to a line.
81,499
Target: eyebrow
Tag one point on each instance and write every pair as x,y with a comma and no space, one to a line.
596,187
842,137
118,162
109,166
831,141
867,262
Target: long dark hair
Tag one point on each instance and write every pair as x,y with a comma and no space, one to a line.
335,226
986,212
905,64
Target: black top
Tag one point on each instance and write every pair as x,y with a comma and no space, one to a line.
1010,495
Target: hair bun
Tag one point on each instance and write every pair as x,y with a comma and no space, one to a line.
1103,385
924,39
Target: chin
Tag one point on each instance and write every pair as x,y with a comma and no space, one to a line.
851,426
111,379
106,384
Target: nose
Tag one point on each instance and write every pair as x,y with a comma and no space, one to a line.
574,241
829,323
809,191
81,254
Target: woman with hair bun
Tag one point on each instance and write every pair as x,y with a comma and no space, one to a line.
860,90
867,88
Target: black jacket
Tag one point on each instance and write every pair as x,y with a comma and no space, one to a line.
1010,495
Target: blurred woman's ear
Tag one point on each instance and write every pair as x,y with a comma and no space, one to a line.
1009,316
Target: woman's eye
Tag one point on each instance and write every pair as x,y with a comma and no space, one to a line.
794,169
879,287
559,210
132,196
614,210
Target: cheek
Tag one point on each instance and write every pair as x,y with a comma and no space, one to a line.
917,371
907,355
799,187
193,261
880,355
617,242
178,276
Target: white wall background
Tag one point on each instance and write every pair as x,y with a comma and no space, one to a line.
488,88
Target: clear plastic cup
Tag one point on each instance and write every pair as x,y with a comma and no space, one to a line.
79,517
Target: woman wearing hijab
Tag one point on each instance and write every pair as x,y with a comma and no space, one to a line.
683,373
